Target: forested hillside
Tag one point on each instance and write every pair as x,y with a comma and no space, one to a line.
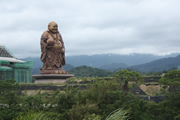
85,71
158,65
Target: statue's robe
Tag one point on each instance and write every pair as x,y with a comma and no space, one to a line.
52,59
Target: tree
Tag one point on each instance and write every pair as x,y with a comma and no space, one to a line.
8,91
171,78
124,76
9,99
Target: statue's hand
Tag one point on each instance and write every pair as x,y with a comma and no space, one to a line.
62,51
49,46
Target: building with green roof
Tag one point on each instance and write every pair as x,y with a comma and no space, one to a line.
13,68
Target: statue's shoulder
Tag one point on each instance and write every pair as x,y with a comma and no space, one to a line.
44,36
45,33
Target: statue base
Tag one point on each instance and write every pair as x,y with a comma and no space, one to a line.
51,78
54,71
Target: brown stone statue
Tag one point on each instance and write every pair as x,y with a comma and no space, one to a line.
52,51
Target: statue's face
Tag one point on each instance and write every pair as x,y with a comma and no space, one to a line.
53,27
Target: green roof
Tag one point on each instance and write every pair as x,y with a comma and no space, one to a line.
5,68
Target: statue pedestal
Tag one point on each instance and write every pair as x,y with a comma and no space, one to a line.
54,71
51,78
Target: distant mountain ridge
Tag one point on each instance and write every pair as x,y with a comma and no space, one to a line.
158,65
114,66
105,59
111,62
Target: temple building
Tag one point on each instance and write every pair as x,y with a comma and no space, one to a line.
13,68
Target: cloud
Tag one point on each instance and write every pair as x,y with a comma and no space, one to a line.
92,26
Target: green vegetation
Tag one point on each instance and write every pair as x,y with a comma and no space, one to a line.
34,116
124,76
172,78
85,71
118,114
156,74
101,100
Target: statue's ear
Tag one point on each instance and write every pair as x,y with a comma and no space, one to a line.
48,27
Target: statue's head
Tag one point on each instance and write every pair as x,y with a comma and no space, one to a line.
53,27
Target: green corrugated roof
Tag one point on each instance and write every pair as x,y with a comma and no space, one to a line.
5,68
4,62
27,64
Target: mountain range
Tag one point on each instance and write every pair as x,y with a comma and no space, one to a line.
158,65
114,62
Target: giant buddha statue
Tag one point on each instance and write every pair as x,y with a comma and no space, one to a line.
52,51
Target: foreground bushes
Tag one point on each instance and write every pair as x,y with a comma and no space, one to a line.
96,102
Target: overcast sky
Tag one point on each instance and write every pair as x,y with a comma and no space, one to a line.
92,26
